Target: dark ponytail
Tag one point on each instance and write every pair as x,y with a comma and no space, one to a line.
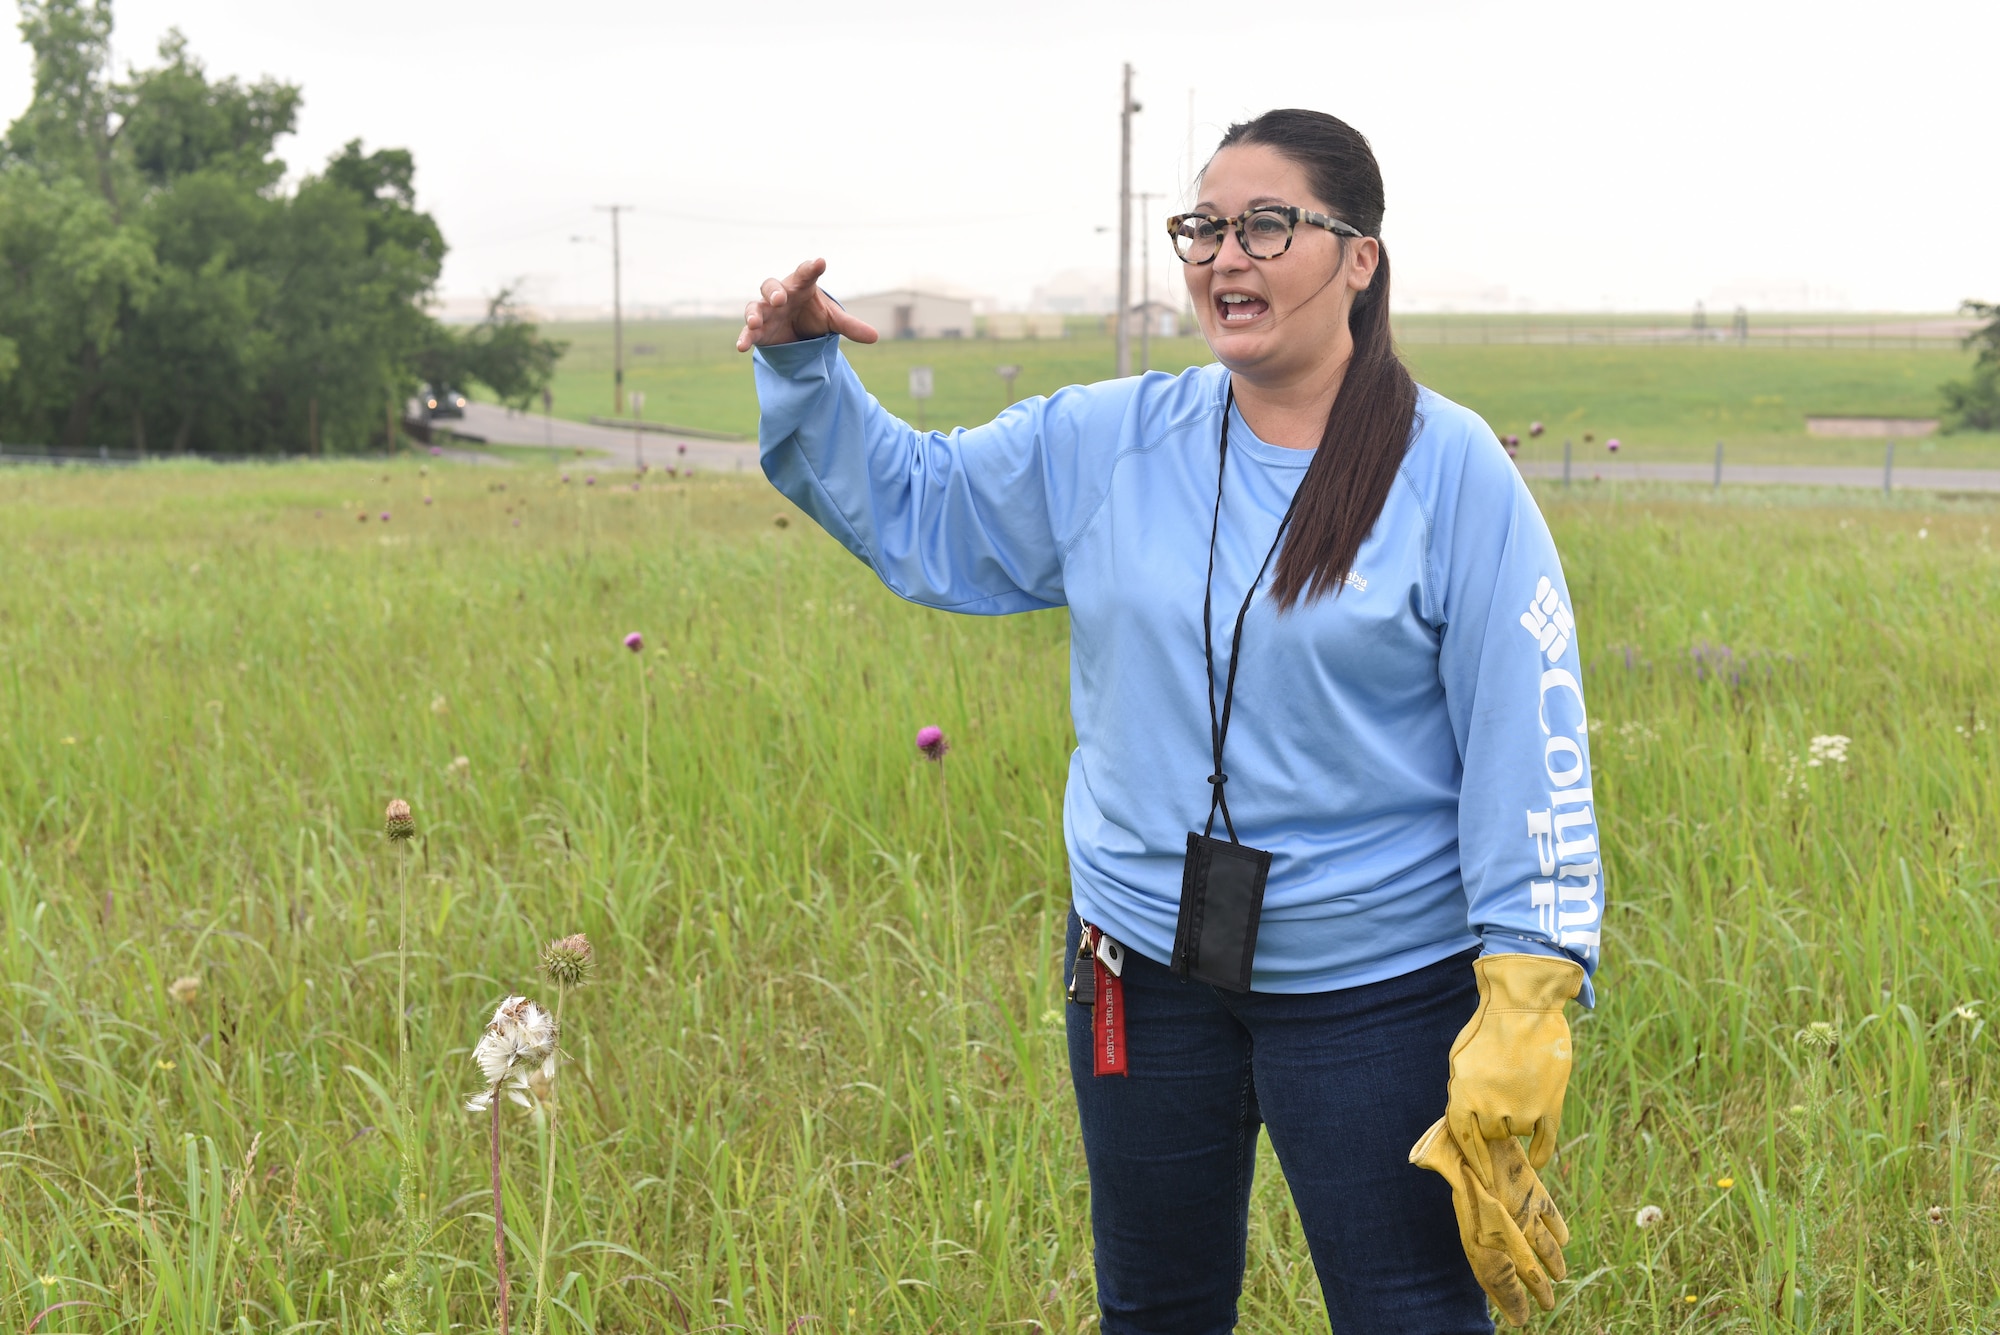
1369,427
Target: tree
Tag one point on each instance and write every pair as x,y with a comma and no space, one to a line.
158,286
1973,404
503,352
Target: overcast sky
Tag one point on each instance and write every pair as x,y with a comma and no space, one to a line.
1553,155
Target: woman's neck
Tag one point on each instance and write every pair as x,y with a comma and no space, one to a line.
1291,410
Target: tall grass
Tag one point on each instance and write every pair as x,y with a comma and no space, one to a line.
822,1085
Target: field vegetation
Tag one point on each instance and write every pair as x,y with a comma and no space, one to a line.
820,1084
1663,403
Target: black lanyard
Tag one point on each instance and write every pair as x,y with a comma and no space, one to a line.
1218,729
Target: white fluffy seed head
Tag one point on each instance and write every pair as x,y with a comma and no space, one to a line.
520,1035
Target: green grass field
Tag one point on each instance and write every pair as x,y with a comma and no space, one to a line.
1666,403
820,1085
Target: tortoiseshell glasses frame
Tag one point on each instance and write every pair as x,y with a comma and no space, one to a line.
1257,231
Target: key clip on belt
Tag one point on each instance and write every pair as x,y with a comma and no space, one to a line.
1097,982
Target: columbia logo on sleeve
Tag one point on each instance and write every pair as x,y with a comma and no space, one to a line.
1548,620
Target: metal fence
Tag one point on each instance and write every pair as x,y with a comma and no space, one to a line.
1623,331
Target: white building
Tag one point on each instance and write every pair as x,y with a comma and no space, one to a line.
908,313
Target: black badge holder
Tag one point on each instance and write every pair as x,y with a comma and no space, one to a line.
1222,884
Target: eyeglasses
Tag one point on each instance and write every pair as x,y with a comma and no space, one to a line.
1264,233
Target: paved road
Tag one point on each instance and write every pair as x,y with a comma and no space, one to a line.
1906,479
503,426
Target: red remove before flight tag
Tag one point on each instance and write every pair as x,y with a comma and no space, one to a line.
1107,1023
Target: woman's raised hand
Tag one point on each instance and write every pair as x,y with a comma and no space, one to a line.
791,308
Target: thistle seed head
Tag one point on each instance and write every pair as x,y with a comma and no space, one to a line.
397,822
520,1036
568,963
541,1081
1648,1216
185,990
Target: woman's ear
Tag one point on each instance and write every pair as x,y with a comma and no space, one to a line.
1364,259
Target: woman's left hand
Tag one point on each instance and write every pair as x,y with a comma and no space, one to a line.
1510,1064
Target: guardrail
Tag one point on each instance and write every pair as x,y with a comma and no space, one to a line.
666,429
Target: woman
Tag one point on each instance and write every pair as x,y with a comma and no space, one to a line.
1316,601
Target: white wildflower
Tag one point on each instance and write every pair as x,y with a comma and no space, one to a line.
1791,781
520,1037
1828,747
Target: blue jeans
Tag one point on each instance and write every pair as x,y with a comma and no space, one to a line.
1346,1081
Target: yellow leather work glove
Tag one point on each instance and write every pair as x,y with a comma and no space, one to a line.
1510,1064
1513,1238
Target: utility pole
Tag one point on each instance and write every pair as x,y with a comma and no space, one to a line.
1188,185
1146,279
1125,109
617,311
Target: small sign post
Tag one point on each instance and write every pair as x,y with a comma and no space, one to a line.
1007,373
638,416
548,418
920,390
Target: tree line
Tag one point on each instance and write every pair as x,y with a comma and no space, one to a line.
163,289
1973,404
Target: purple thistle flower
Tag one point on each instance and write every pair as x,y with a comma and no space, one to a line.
635,642
565,479
436,451
427,500
682,447
1535,428
385,516
590,480
1612,444
931,741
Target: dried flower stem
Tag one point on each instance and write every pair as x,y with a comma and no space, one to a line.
499,1216
408,1208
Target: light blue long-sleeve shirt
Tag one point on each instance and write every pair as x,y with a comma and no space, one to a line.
1413,753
